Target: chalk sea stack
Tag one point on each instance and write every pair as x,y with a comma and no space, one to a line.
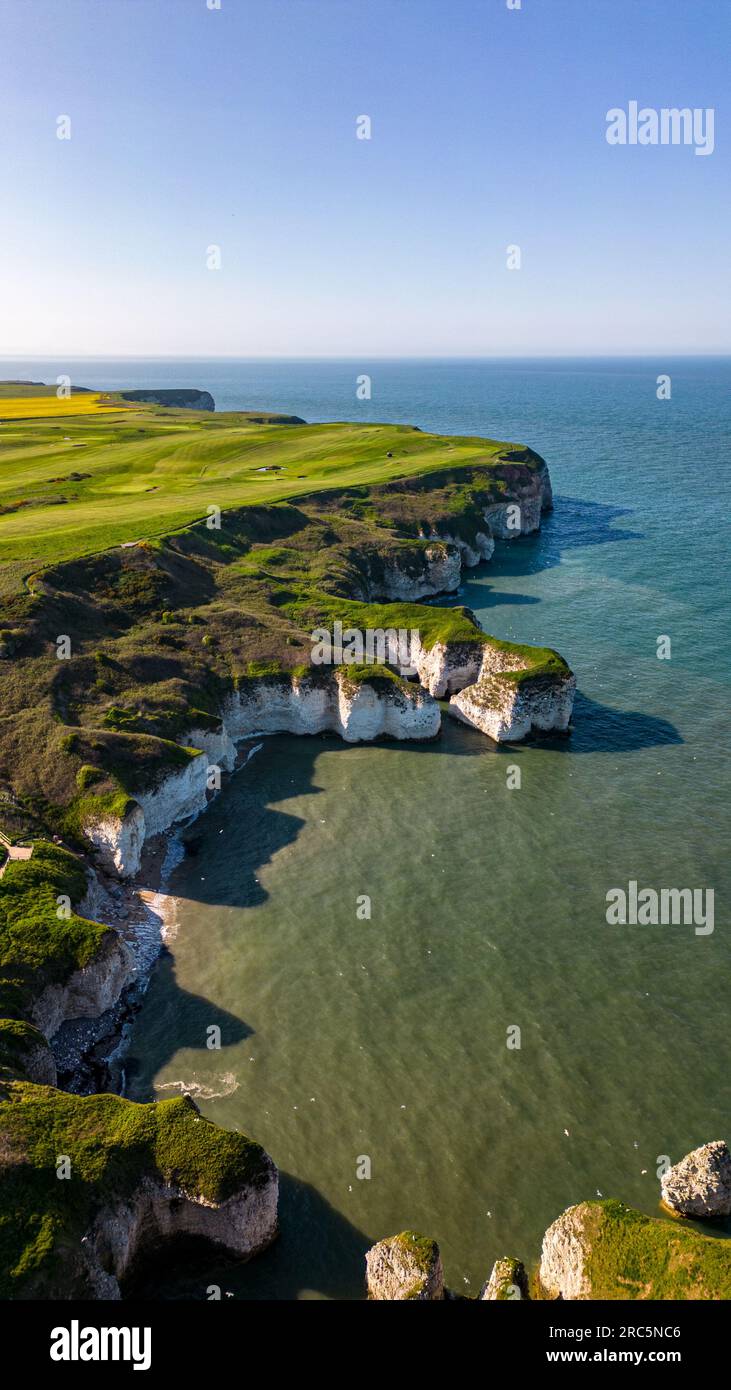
407,1266
508,1281
700,1185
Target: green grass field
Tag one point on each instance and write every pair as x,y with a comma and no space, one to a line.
99,477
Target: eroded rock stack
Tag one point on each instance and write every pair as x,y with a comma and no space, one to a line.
508,1281
407,1266
700,1185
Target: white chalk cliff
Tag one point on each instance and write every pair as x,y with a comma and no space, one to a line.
440,574
124,1233
508,711
700,1185
356,711
474,675
88,992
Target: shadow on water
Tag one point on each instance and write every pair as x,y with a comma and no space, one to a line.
598,728
489,597
319,1252
184,1020
575,524
262,830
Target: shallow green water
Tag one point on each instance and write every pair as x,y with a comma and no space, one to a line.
387,1037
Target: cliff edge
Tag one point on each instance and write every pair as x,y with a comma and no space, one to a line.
93,1185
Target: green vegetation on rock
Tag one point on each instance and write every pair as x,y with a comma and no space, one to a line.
108,542
421,1250
19,1044
113,1145
632,1256
38,946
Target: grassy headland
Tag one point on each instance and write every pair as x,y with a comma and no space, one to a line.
106,538
112,1146
106,542
78,476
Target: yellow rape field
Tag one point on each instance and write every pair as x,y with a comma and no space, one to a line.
38,407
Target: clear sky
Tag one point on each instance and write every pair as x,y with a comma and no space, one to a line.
193,127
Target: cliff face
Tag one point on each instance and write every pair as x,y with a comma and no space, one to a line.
604,1249
700,1185
445,666
357,711
480,679
407,1266
125,1233
440,573
139,1177
438,567
118,840
508,712
481,546
532,494
508,1281
185,398
180,795
176,797
88,992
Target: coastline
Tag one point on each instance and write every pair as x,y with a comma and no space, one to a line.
90,1052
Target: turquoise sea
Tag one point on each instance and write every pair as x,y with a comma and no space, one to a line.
387,1038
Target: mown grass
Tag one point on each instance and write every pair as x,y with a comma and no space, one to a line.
95,480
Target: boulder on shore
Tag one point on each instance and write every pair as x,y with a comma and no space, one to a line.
700,1185
405,1266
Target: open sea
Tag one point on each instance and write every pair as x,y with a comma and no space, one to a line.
345,1040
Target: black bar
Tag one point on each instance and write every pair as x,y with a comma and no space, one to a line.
203,1337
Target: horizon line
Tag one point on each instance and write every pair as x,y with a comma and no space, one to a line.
366,356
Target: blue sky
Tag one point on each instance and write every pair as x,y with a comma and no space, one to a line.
193,127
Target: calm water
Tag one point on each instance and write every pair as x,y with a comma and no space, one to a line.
387,1038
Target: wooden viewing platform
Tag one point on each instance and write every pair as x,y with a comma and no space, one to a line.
14,851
